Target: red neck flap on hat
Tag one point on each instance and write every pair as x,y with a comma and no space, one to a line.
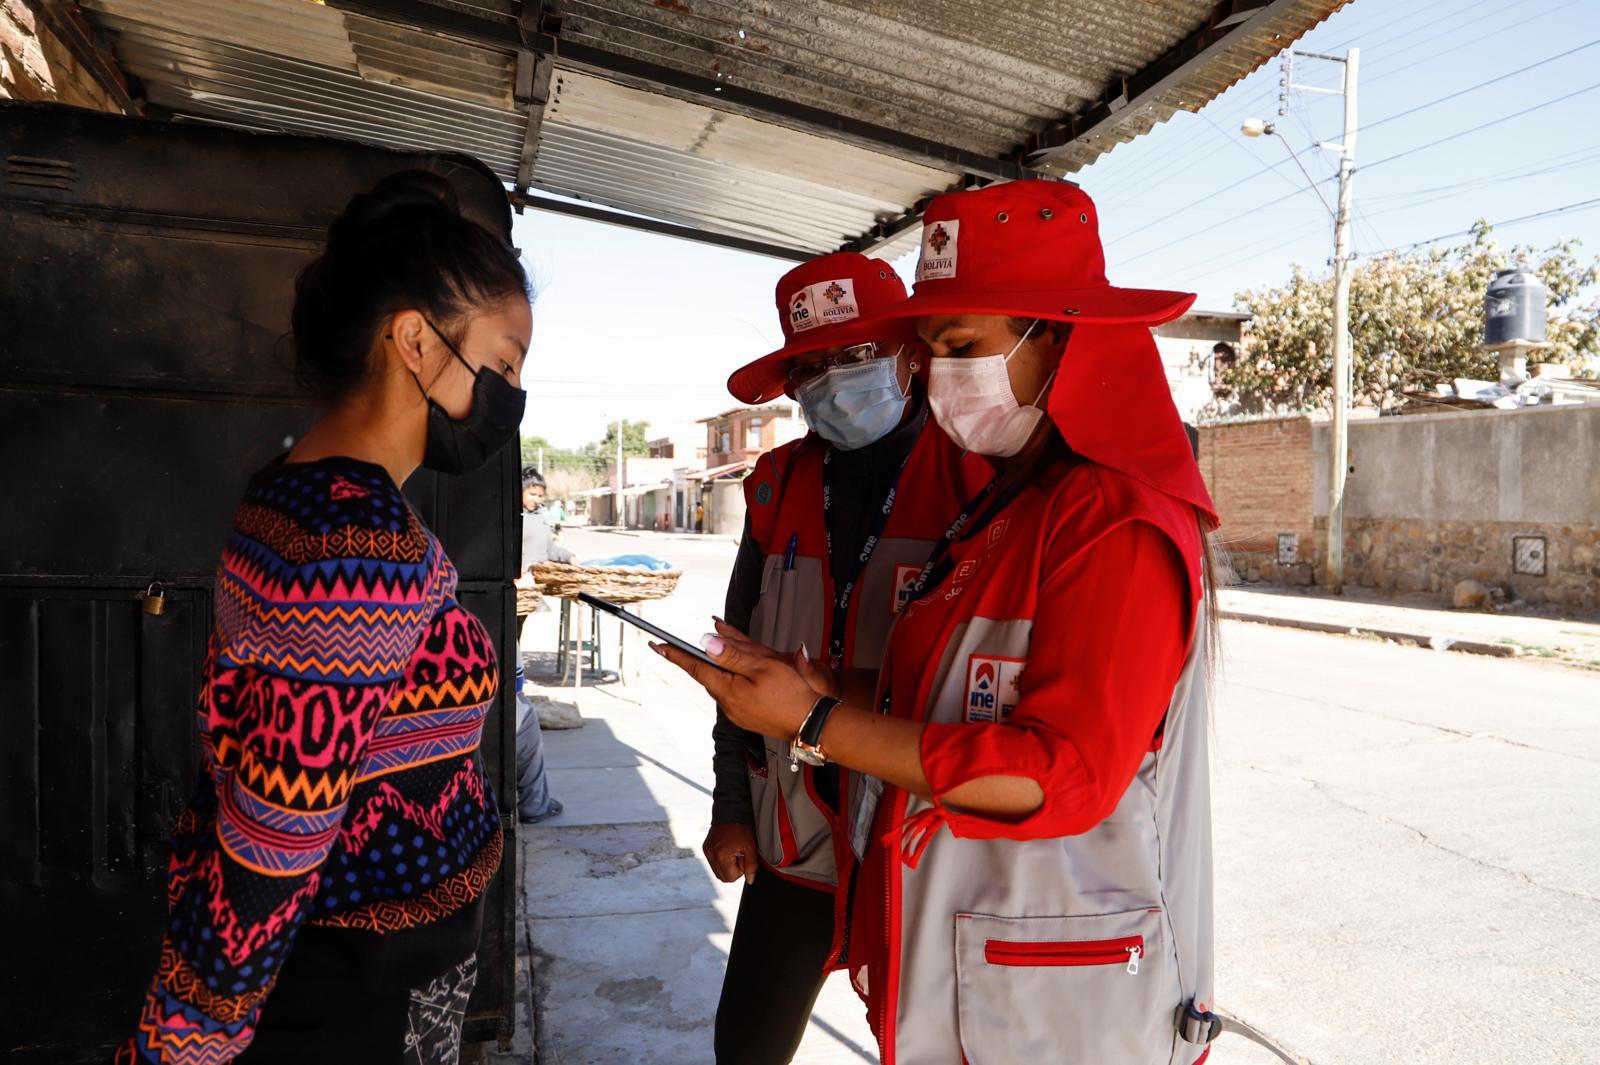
1112,405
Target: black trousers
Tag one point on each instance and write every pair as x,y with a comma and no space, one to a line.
780,943
350,997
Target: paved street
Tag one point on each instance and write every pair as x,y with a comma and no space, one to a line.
1406,853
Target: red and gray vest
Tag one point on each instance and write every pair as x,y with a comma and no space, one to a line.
795,828
1140,879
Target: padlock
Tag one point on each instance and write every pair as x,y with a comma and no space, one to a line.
154,599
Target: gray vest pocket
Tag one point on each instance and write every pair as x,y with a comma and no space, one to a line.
1091,989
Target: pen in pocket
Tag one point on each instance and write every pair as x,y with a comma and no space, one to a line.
788,557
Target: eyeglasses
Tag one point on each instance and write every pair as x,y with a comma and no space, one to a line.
853,355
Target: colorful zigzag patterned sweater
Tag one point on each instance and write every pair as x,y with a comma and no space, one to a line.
344,697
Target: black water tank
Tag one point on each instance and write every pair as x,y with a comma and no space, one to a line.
1513,308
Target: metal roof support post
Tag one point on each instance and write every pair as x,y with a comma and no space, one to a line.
539,25
534,74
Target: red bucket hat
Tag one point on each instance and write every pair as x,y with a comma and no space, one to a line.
1029,249
831,301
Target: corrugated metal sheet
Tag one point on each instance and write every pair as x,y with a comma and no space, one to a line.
987,79
298,66
980,76
706,168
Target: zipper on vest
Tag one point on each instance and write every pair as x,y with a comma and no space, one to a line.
1127,951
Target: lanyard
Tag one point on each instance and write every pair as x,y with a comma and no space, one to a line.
845,589
934,570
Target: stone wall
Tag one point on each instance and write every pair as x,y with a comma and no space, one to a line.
1432,500
49,55
1408,555
1261,478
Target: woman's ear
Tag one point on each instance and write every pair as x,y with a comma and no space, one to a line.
405,335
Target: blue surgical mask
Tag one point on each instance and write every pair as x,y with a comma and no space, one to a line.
853,406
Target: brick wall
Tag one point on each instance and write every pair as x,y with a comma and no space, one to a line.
1261,476
48,56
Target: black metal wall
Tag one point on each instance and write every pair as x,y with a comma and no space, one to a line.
146,273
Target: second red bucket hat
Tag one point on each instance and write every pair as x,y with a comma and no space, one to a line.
832,301
1030,249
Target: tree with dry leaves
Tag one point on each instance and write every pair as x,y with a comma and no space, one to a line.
1415,320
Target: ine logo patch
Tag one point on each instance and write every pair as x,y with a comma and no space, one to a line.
940,245
994,687
905,579
825,303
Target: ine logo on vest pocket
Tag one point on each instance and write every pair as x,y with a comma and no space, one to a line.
994,687
905,579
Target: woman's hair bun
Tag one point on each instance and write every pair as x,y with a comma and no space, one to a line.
400,193
403,243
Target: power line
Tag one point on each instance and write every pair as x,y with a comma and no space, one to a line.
1475,88
1198,232
1414,61
1367,166
1582,205
1370,32
1480,127
1142,184
1589,157
1185,140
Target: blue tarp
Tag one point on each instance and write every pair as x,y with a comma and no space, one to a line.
649,562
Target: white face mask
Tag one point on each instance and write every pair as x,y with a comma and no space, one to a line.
973,402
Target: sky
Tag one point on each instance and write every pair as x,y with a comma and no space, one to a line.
646,327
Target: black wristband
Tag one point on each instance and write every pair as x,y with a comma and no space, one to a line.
811,728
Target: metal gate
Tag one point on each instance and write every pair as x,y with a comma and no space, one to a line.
146,274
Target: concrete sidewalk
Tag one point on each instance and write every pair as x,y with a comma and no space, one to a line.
1419,620
625,929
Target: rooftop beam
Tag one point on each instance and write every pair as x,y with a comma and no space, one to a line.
1231,21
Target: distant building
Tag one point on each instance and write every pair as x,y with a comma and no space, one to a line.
684,443
734,440
1195,351
742,434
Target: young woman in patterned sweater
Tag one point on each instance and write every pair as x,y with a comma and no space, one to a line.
327,879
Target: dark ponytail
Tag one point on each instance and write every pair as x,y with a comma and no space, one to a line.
404,244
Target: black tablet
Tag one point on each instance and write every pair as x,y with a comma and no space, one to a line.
659,633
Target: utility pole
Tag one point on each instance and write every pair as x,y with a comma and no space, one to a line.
541,462
621,521
1339,463
1341,332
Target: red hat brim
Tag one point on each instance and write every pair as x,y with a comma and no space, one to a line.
762,381
1105,305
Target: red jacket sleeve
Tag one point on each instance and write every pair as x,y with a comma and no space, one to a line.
1109,640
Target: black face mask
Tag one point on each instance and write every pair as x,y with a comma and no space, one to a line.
461,445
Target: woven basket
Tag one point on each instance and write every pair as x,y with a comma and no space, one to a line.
528,600
620,584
